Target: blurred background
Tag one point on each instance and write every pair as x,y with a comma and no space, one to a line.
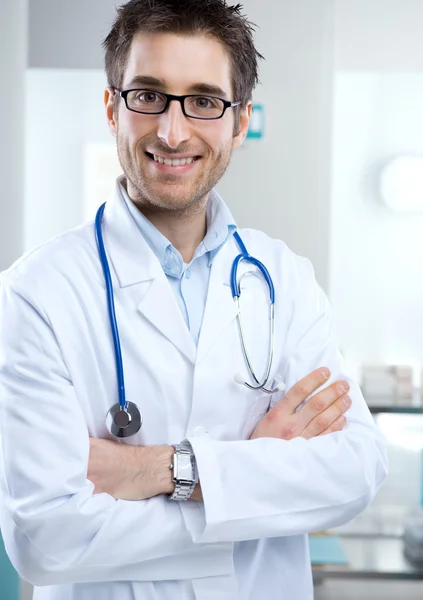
333,166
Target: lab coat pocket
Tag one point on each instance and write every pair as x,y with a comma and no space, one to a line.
258,409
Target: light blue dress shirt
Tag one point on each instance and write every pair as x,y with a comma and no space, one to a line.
189,282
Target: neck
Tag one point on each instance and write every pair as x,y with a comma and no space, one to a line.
184,231
185,228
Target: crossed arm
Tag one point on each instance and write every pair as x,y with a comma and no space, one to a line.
138,472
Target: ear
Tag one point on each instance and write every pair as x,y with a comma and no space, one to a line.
109,103
244,123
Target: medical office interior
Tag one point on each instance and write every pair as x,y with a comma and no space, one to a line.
333,166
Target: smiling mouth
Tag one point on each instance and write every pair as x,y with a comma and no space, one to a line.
176,162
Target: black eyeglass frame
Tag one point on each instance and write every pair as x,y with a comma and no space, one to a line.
181,99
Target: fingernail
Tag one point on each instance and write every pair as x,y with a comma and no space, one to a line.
344,386
347,400
325,372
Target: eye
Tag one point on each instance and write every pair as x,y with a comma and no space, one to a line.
204,102
147,97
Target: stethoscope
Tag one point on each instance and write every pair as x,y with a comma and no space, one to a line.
124,418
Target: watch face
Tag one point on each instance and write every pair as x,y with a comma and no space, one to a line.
184,467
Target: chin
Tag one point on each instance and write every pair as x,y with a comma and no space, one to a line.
172,203
172,199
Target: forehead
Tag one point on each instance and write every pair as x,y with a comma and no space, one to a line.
181,61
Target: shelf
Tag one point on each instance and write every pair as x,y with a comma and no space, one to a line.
405,410
381,406
377,558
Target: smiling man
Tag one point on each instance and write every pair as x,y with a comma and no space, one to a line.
151,149
199,127
147,454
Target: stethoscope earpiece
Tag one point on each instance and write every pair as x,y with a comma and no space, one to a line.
238,378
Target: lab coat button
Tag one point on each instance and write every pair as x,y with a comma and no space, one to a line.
199,431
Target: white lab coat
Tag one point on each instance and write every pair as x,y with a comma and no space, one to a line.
58,380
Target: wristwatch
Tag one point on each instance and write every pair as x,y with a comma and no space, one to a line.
185,475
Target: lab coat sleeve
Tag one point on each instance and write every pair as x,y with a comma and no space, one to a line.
271,487
54,528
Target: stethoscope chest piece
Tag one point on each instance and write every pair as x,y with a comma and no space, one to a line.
124,423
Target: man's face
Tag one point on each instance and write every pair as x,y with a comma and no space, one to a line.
179,65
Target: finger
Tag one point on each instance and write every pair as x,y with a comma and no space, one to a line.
323,400
303,388
338,425
323,421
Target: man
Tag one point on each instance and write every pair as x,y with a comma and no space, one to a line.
86,515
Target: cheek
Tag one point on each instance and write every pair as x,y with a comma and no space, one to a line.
132,127
218,138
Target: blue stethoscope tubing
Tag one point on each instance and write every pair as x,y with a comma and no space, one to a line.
124,407
236,294
111,307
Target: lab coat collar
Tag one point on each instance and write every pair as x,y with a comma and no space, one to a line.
135,263
130,255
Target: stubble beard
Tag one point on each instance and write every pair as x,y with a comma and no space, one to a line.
142,193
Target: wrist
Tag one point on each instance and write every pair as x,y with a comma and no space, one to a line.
151,472
163,458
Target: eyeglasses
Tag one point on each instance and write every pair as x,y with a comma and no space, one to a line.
194,106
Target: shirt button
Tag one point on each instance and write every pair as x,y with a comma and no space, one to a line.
199,431
188,273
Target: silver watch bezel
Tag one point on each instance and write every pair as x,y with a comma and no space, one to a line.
181,459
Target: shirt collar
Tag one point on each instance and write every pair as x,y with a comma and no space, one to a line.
220,224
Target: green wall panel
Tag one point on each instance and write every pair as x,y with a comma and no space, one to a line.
9,581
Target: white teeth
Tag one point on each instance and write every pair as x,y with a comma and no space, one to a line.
177,162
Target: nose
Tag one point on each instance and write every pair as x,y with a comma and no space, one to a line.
173,126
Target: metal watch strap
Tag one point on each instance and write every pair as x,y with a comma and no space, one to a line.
183,489
182,492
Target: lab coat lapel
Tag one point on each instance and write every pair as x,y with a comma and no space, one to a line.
220,309
136,264
160,307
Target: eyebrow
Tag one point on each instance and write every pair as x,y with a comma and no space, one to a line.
160,84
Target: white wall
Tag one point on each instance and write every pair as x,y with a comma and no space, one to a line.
282,184
376,283
375,256
379,35
13,44
68,35
57,132
279,184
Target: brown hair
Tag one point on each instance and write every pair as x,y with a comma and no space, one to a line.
208,17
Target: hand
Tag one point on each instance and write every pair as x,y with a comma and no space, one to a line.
322,414
130,472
